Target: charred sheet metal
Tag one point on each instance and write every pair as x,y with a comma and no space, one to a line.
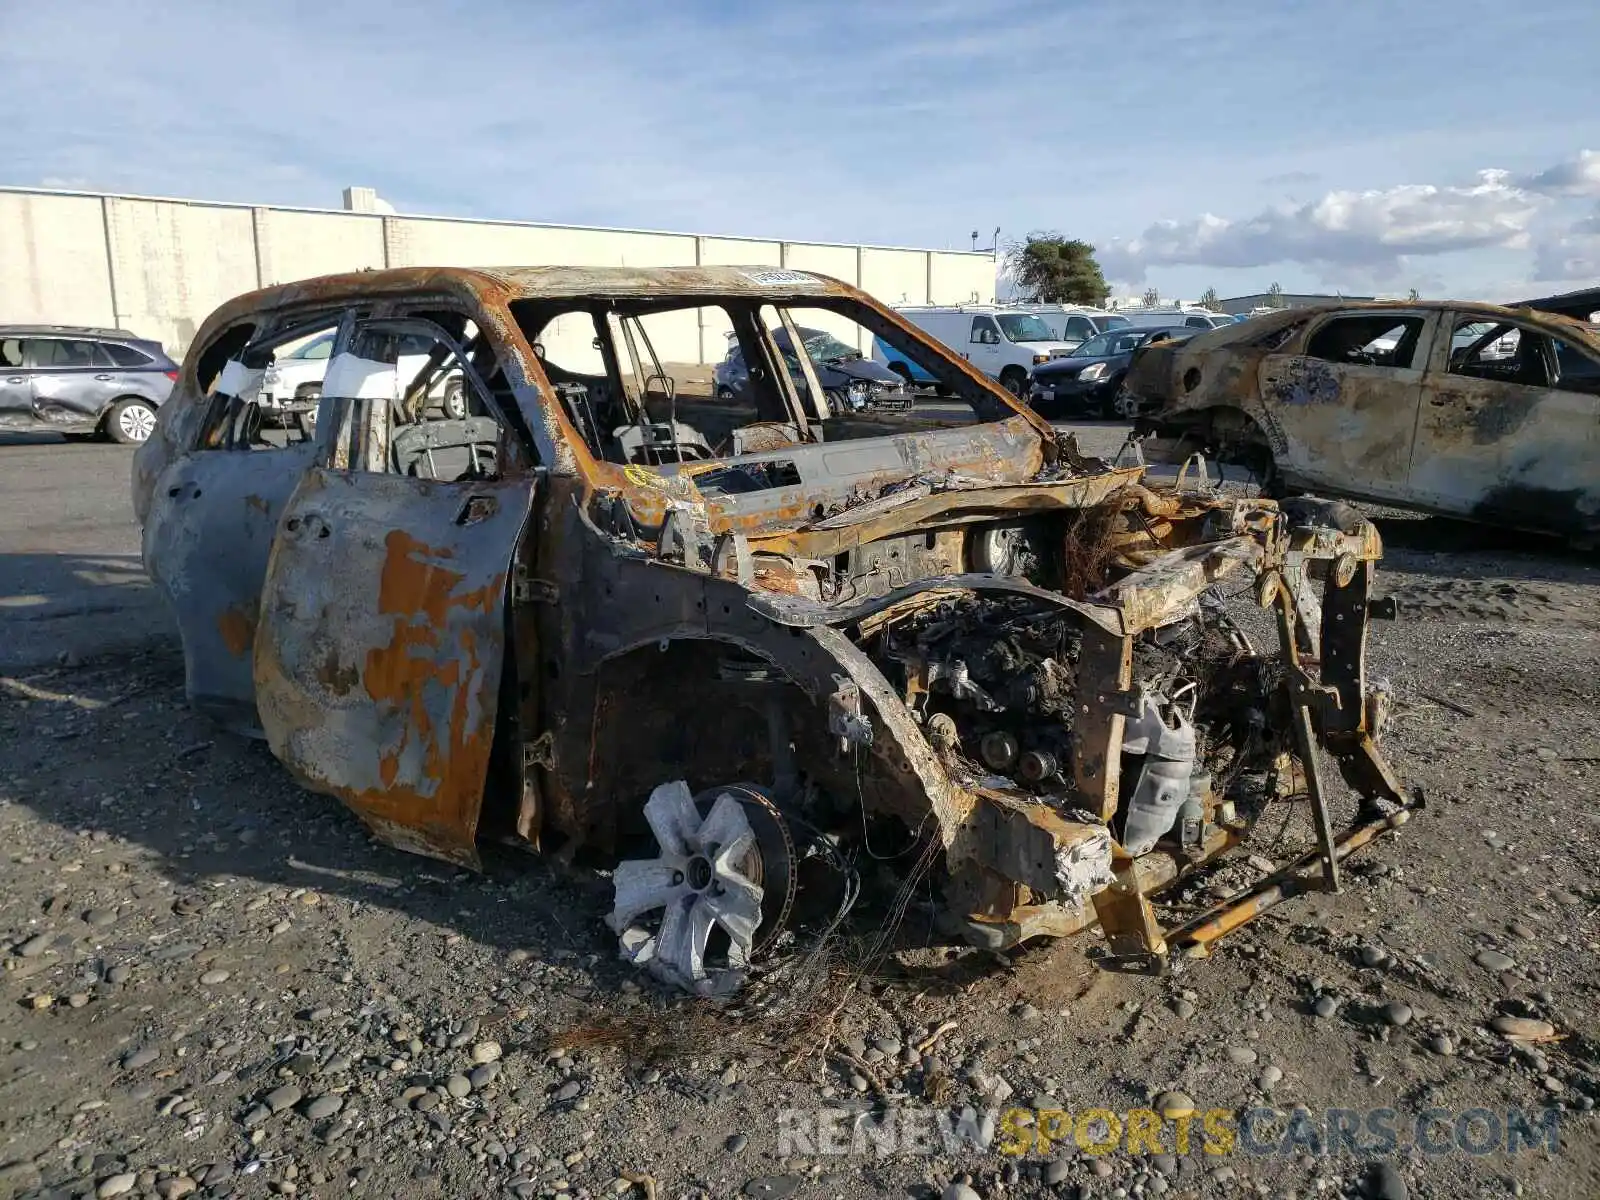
802,613
206,544
1510,454
1027,841
381,645
1165,587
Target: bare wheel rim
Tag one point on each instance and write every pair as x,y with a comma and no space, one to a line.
710,878
136,421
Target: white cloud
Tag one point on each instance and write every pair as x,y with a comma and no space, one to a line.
1578,176
1369,232
1573,254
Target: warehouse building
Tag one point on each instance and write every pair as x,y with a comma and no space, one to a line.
1243,306
159,266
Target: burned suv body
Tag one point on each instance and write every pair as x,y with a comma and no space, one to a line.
596,614
1465,409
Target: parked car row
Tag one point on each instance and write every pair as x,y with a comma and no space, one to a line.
82,382
1010,343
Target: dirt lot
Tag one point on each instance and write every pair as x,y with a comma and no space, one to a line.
215,982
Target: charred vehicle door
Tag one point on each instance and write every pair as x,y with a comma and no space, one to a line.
1344,397
383,620
1510,427
213,513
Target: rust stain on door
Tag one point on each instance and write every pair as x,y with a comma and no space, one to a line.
237,630
421,664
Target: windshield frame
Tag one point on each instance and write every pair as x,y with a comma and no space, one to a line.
758,318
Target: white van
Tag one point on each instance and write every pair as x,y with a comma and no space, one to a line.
1161,318
1074,324
1005,342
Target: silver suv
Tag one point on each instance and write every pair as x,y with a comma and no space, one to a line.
105,383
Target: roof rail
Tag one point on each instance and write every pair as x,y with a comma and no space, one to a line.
88,330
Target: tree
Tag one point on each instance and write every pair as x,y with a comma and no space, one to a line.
1275,296
1152,297
1413,295
1055,270
1208,299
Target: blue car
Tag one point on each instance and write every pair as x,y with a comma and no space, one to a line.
851,382
902,366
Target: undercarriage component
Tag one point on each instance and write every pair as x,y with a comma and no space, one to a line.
718,892
1306,873
1011,548
1164,781
845,719
999,750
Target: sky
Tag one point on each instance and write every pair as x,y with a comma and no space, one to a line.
1359,146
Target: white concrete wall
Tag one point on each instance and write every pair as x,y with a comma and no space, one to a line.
415,242
895,276
294,245
961,279
841,263
173,262
837,261
739,252
53,260
160,266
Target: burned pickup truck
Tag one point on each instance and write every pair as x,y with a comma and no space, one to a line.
599,615
1469,410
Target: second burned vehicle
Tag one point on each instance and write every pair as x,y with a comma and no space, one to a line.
1469,410
704,636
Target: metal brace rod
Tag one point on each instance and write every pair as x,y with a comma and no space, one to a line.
1195,936
1305,735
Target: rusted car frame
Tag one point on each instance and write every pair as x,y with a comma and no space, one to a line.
1475,410
965,628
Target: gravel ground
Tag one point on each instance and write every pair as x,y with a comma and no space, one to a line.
215,983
